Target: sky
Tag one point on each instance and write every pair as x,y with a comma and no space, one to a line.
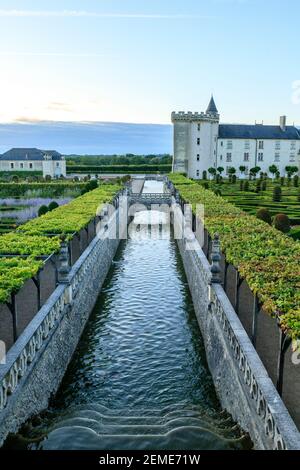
135,61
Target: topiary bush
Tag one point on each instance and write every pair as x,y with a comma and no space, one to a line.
282,223
277,194
264,214
43,210
53,205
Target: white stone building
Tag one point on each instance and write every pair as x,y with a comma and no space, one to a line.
201,142
49,162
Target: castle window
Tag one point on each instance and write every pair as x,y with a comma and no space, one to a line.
261,144
12,165
221,157
292,157
57,164
260,157
228,157
277,145
199,127
198,157
21,165
277,157
293,145
229,144
246,157
30,166
247,144
198,141
221,143
198,173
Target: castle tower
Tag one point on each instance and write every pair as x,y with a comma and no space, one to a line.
195,140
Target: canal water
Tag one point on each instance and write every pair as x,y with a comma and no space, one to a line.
139,377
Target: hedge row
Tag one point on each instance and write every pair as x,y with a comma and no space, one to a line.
20,189
94,169
267,259
30,239
71,217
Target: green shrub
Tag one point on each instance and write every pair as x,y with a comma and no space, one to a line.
241,185
264,214
53,205
282,223
296,181
264,185
42,210
246,185
277,194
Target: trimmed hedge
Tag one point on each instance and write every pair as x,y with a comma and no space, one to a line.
14,272
268,260
55,189
30,239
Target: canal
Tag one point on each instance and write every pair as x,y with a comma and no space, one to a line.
139,378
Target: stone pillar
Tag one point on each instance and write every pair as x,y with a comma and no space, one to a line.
216,258
64,265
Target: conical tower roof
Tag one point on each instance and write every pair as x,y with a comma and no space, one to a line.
212,109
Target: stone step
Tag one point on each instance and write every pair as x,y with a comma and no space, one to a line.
140,427
181,438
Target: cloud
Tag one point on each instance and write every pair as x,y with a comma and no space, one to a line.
93,14
58,106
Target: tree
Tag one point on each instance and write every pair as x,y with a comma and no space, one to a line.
273,170
231,171
242,170
264,214
254,171
291,170
212,171
282,223
220,169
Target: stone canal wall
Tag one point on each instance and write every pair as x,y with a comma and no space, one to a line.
37,362
241,380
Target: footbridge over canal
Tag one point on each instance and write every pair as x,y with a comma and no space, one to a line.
142,349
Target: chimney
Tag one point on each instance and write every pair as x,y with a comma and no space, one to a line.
283,123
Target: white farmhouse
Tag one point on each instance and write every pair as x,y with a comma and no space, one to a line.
201,142
49,162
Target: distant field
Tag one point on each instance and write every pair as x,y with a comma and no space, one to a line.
123,169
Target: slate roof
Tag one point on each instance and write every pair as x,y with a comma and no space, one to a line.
17,154
212,108
257,131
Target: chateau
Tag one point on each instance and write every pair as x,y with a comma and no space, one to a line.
201,142
49,162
